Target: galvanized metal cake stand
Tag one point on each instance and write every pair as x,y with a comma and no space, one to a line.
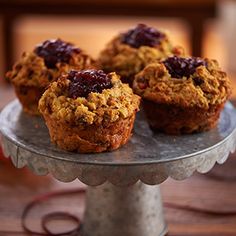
120,200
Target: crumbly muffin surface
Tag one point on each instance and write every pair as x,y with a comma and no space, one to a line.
31,69
110,105
127,60
208,85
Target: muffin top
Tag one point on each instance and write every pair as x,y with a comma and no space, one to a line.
183,81
129,52
47,62
89,97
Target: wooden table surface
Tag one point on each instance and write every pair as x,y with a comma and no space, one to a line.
214,191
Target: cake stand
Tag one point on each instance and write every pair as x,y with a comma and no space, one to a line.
120,198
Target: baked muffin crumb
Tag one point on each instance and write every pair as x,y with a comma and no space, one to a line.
184,97
101,121
128,53
35,70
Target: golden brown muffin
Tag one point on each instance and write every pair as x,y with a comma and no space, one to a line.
129,52
36,70
89,111
182,95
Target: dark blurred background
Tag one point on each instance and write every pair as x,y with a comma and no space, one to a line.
204,27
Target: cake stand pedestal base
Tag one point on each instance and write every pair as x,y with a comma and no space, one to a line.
129,211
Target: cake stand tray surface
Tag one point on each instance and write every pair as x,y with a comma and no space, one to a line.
135,209
148,157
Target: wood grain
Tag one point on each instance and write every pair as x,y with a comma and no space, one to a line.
18,187
213,191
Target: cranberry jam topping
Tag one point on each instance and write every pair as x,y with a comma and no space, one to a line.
179,66
142,35
54,51
86,81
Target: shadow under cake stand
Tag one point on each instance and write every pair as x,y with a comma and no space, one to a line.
120,198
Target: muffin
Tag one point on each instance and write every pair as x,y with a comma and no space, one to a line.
129,52
34,71
182,94
89,111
